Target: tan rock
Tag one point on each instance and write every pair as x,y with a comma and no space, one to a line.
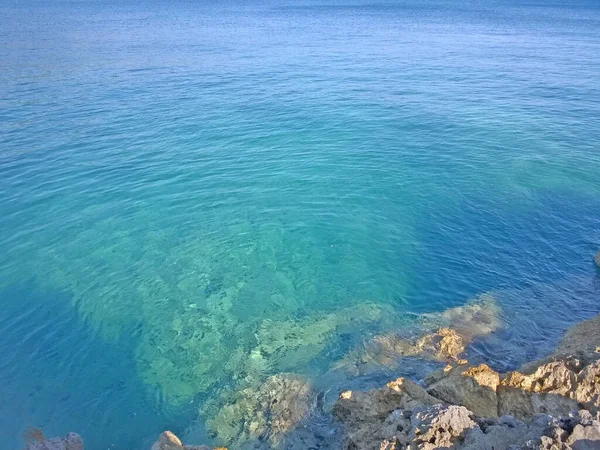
472,387
370,418
549,390
443,345
167,441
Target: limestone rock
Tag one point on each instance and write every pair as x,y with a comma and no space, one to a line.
168,441
439,426
35,441
555,388
377,415
472,387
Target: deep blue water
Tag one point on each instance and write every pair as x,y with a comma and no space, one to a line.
180,180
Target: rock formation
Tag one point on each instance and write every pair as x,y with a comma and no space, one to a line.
550,404
168,441
597,258
445,338
34,440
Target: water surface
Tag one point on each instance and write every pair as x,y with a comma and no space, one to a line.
181,180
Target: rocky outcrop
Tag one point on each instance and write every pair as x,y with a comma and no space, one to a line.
597,258
473,387
34,440
553,404
168,441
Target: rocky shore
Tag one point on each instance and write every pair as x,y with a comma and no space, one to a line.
549,404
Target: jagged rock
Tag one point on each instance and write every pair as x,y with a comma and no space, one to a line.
545,391
597,258
577,432
375,416
36,441
555,388
439,426
443,345
168,441
472,387
553,404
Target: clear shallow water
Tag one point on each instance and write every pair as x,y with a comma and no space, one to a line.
179,182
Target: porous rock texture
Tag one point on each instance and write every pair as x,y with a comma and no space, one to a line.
551,404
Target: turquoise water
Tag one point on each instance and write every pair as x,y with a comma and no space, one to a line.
195,196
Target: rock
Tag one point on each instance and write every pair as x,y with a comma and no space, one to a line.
266,413
597,258
581,341
576,432
553,405
477,318
472,387
555,388
377,415
168,441
35,441
546,391
439,426
443,345
443,338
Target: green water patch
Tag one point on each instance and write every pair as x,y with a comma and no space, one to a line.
221,308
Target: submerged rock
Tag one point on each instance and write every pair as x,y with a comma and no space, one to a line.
460,326
35,440
168,441
266,413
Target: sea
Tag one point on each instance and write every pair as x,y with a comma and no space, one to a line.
196,196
